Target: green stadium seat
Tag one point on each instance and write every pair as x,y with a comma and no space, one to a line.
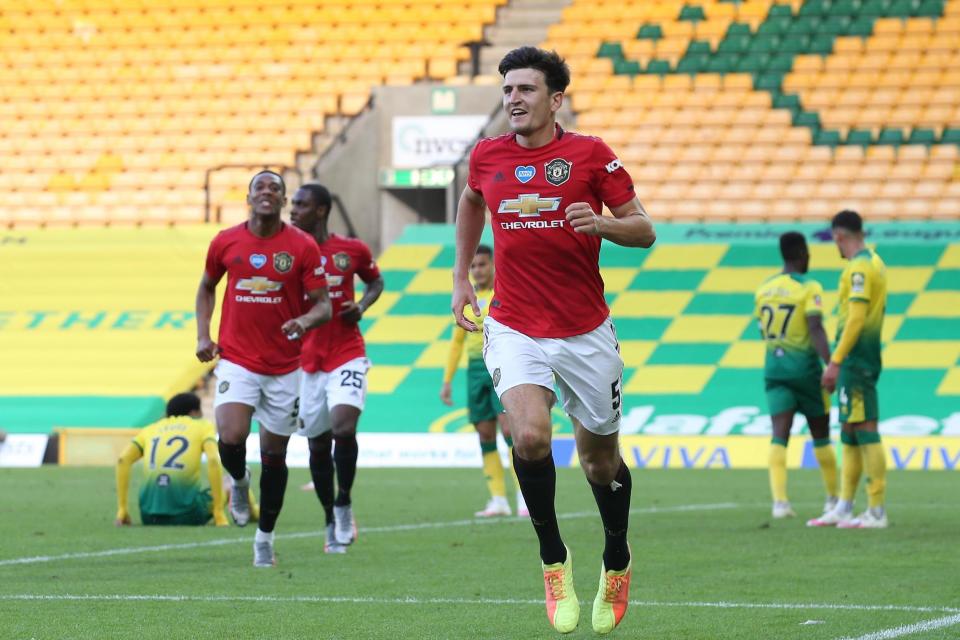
930,9
827,138
753,63
768,82
774,26
950,135
697,47
780,63
692,13
875,8
844,8
764,44
903,8
723,63
808,119
861,26
889,136
796,44
814,8
804,24
822,44
650,32
861,137
738,29
779,11
612,50
734,44
693,64
627,67
789,101
922,135
836,26
659,67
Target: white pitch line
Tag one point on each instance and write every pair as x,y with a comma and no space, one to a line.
491,601
363,530
910,629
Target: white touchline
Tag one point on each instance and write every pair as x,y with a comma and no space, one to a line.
363,530
494,601
910,629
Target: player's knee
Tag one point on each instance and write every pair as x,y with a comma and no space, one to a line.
532,444
321,443
599,469
273,458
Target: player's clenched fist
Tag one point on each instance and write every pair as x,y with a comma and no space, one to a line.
583,219
207,350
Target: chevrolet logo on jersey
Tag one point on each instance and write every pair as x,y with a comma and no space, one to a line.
528,205
258,284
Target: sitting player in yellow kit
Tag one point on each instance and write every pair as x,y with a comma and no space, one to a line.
171,491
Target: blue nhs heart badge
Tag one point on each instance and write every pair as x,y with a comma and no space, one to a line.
258,260
525,174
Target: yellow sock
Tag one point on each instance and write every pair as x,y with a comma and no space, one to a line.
827,460
875,459
778,469
493,469
851,467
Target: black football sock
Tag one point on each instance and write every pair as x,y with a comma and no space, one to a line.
321,471
538,483
345,454
233,457
273,484
614,503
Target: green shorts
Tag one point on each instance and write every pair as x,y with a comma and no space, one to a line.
198,515
803,395
482,401
857,394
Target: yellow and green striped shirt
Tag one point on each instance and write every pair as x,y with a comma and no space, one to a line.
782,305
864,281
172,452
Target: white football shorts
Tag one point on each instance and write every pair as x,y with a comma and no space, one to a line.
274,399
587,370
321,391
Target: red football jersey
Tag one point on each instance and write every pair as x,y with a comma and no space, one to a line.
267,279
336,342
548,282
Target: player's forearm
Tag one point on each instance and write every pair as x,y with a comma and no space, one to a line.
632,230
470,221
206,300
123,485
317,315
820,342
456,352
371,293
851,331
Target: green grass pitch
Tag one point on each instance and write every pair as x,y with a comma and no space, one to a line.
708,563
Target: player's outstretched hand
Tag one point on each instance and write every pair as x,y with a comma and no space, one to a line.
207,350
583,219
350,311
294,328
463,295
445,395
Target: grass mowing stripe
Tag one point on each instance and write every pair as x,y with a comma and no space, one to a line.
915,628
910,629
363,530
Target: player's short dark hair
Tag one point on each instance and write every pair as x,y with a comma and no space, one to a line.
183,404
319,193
848,220
549,63
484,250
283,184
793,246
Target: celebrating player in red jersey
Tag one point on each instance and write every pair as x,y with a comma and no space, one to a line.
549,321
335,365
270,268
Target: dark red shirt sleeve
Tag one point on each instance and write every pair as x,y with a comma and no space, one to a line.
614,185
473,180
215,266
367,269
312,276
